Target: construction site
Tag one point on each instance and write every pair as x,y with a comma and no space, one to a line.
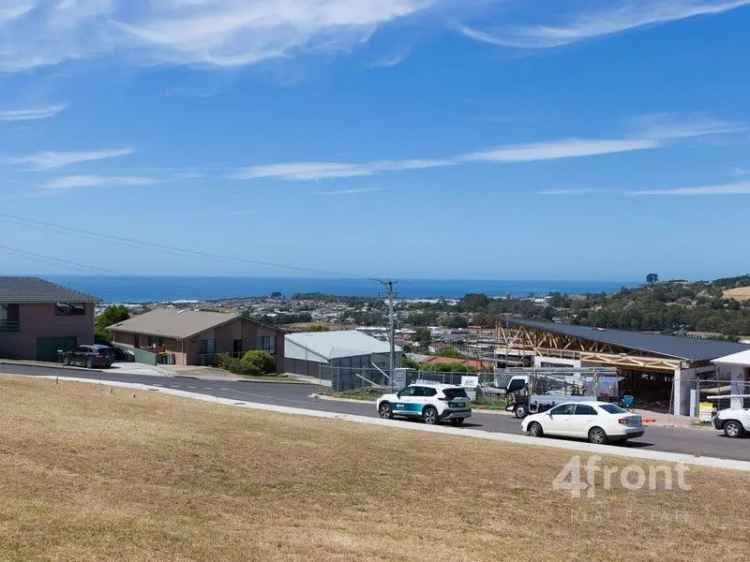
667,374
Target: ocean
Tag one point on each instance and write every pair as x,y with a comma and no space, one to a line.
159,289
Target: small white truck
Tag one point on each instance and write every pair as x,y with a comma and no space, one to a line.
734,422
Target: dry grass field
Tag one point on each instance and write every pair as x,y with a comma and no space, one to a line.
93,474
738,294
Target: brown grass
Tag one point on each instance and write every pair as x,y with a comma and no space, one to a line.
738,294
91,474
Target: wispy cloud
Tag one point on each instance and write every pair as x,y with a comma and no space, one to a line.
567,148
53,159
737,188
353,191
326,170
613,16
669,126
220,33
648,132
14,12
31,114
74,182
394,59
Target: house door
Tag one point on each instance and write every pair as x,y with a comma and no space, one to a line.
237,348
47,349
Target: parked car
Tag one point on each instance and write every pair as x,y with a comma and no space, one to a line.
89,356
734,422
120,355
432,402
599,422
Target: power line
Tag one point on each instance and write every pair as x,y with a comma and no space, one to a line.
175,250
41,257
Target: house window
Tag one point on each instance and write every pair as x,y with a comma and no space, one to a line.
267,343
9,318
154,342
70,309
208,346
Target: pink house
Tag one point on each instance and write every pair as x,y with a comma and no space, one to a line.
38,318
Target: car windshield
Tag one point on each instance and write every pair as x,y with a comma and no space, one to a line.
451,393
613,409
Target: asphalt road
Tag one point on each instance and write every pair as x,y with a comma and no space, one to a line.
699,442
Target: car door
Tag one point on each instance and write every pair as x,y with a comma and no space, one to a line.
559,421
407,405
583,419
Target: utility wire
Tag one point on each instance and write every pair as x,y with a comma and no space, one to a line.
175,250
35,256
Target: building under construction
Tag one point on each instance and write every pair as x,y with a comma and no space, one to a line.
660,371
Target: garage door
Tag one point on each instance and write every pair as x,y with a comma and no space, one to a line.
47,348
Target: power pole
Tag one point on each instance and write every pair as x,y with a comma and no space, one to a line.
389,286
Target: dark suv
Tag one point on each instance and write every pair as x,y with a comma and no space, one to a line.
90,356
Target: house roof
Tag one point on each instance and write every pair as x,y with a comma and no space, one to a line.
174,322
32,290
742,359
686,349
337,344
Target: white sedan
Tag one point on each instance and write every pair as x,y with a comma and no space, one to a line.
599,422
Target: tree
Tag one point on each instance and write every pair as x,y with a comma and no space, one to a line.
475,302
457,322
423,337
111,315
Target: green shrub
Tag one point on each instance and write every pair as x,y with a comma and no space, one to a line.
259,361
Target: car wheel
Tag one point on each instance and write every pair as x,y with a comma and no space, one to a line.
733,429
597,436
457,421
385,411
66,361
430,415
521,411
535,429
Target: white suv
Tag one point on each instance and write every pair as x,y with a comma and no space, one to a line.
735,422
430,401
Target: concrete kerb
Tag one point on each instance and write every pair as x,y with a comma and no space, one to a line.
708,462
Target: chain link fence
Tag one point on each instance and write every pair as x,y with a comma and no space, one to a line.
343,379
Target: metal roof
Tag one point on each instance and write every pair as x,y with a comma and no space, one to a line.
174,322
337,344
741,359
687,349
32,290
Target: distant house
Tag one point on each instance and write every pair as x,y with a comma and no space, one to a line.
39,318
306,352
195,337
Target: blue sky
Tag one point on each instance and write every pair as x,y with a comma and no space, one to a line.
411,138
